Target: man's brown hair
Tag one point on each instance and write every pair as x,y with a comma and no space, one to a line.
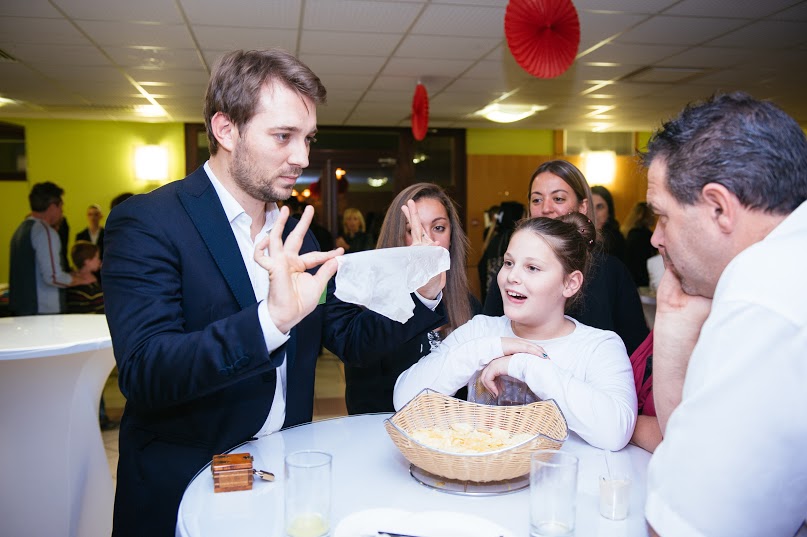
237,79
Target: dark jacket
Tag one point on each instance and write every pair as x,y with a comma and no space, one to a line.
192,358
378,349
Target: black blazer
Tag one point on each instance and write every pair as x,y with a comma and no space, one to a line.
85,236
192,360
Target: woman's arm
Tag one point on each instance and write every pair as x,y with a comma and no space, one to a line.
600,404
647,434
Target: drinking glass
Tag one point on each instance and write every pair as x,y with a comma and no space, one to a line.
614,496
308,494
553,493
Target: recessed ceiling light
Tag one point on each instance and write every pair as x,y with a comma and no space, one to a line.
508,113
149,110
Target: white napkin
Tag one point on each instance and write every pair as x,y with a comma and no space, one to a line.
382,279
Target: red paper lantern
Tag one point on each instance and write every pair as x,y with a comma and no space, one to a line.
420,112
543,35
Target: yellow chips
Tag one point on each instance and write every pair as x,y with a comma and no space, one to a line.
463,438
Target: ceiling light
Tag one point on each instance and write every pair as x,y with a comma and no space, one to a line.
377,182
149,110
4,101
151,163
508,113
600,167
419,157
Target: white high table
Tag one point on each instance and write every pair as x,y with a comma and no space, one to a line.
369,472
54,476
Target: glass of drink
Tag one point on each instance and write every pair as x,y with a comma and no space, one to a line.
614,496
308,494
553,493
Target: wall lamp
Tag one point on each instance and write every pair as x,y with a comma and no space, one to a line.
151,163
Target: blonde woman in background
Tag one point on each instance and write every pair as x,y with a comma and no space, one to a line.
354,237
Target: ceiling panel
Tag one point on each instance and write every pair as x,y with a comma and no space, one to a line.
103,10
451,48
371,53
360,15
679,30
247,13
228,38
466,21
349,43
749,9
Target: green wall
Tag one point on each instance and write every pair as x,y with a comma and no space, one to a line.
93,161
509,142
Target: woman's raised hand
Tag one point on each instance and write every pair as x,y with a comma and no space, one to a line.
434,286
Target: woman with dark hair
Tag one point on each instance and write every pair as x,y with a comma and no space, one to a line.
610,299
613,242
638,230
508,215
585,370
421,214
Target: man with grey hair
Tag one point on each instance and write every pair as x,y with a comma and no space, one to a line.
728,181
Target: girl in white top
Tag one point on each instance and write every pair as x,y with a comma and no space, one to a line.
585,370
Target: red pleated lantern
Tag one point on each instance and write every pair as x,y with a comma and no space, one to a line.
543,35
420,112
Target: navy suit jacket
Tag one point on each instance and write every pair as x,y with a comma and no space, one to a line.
192,359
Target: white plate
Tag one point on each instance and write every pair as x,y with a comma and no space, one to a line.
423,524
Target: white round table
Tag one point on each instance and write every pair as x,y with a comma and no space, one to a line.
369,472
54,475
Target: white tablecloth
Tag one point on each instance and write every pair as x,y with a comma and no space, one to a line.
369,472
54,476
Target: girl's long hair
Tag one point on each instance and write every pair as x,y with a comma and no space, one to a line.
393,234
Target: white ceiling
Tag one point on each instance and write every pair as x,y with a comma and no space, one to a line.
100,59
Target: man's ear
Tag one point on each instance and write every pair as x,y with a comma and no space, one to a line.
722,205
224,131
574,282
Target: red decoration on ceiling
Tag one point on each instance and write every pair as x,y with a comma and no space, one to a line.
420,112
543,35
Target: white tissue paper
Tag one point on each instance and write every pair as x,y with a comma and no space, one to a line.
382,280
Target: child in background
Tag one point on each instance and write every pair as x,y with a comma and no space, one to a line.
585,370
87,298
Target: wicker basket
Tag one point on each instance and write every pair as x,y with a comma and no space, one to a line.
430,409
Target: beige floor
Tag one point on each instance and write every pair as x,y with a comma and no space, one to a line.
329,401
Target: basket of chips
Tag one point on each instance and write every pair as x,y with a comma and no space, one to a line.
466,441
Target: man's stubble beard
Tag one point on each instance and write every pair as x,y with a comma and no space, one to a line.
249,179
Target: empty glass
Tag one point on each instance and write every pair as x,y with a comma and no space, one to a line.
553,493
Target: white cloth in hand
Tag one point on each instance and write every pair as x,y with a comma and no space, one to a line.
382,279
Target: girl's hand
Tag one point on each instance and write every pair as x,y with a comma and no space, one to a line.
514,345
492,371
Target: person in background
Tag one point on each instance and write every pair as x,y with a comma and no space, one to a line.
585,370
728,181
613,242
94,232
610,299
420,214
120,198
354,237
211,292
89,298
36,278
638,230
510,212
323,236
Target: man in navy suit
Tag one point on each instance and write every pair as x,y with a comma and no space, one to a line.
212,294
